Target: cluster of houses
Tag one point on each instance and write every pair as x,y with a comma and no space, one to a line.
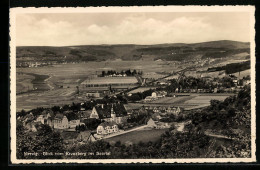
155,96
164,109
116,75
35,64
158,110
111,116
59,121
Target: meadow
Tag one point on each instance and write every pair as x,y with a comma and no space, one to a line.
138,136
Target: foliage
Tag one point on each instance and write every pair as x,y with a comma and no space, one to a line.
232,68
44,140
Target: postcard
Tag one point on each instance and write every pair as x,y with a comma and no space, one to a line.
153,84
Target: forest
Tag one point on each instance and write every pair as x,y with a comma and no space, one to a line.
232,68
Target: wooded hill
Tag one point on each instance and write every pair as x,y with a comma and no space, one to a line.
168,52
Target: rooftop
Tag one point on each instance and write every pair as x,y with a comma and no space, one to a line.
110,80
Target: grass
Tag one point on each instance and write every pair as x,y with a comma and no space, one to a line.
138,136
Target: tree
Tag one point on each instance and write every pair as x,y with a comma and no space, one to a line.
45,140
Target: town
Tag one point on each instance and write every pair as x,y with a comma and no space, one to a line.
114,106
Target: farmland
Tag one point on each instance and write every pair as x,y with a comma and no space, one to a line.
138,136
187,101
59,84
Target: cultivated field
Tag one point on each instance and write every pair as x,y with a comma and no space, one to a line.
187,101
138,136
243,74
23,82
63,78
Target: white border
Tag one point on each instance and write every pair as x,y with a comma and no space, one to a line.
15,11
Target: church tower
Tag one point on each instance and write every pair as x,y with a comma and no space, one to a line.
113,114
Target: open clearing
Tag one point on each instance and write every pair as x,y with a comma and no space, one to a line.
138,136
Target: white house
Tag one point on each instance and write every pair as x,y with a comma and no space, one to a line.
60,122
107,128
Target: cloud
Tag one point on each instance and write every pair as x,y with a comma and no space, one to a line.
132,29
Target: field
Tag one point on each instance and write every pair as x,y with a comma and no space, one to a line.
59,84
242,74
203,100
187,101
23,82
138,136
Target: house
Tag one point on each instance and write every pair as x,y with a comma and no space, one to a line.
149,98
41,118
110,113
85,137
159,94
60,122
31,126
162,125
93,94
45,119
107,128
151,123
173,110
154,94
157,125
73,123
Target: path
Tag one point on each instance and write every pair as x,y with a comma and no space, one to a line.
124,132
219,136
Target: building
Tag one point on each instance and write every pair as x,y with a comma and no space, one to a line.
85,137
60,122
110,113
157,125
41,118
159,94
45,118
151,123
107,128
94,94
73,123
110,81
173,110
31,126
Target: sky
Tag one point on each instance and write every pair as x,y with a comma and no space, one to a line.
68,29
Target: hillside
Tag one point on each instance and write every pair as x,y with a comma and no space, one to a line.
168,52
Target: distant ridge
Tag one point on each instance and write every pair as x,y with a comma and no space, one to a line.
168,51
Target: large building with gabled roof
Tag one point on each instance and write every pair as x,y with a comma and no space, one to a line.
110,113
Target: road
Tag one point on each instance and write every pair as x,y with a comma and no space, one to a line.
124,132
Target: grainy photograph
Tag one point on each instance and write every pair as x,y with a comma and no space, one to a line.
132,84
